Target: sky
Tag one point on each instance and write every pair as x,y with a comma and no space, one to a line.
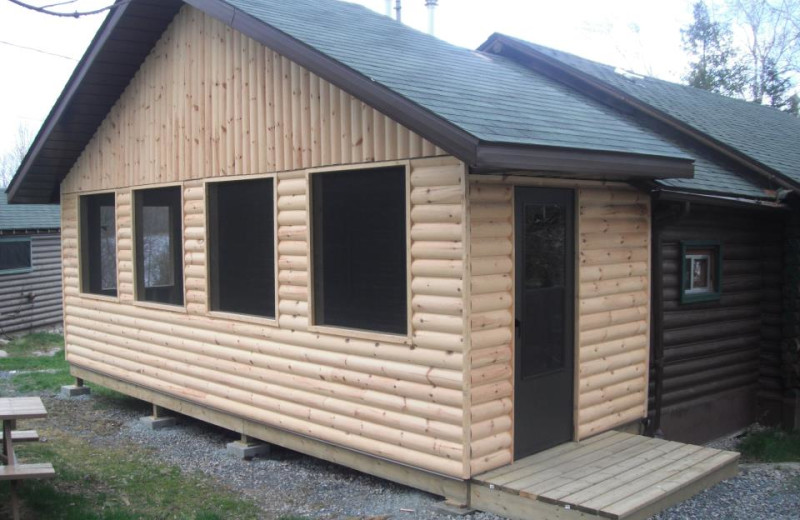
638,35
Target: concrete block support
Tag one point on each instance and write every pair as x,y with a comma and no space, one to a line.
76,390
247,447
158,420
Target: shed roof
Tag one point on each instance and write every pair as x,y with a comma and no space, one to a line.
761,138
486,110
19,217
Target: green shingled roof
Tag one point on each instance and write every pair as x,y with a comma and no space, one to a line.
490,97
764,134
17,217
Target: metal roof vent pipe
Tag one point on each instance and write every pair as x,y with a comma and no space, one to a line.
431,5
397,9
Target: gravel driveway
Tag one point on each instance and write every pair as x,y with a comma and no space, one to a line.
288,483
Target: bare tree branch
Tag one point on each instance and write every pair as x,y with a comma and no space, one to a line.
75,14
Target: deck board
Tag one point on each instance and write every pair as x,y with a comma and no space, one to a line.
616,475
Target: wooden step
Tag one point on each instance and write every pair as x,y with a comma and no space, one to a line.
27,471
23,436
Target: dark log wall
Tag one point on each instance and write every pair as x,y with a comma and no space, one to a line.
33,300
719,357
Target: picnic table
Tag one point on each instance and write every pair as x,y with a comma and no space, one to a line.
13,409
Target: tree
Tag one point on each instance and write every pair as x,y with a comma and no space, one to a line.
716,65
13,157
772,36
754,53
48,9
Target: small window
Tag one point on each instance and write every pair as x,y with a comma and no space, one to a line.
242,247
359,249
701,271
98,245
15,255
159,252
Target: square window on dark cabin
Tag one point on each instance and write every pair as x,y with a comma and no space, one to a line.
15,255
359,249
159,249
701,271
242,247
98,244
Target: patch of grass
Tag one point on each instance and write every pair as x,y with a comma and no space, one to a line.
771,446
114,484
37,373
38,341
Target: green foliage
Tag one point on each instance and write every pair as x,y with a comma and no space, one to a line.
32,365
716,65
771,446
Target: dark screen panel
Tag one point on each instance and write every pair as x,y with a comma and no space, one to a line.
242,241
359,241
15,254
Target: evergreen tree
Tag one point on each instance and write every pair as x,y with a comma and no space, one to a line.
716,65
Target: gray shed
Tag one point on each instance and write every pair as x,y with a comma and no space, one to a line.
30,266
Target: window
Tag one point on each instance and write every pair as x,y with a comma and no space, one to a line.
359,249
98,245
701,273
159,253
15,255
242,247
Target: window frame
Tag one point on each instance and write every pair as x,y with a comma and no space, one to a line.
19,270
691,295
229,315
81,273
406,338
138,298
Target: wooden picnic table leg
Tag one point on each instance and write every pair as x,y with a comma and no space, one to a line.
10,459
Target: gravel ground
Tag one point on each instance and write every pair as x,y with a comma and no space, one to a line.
288,483
282,483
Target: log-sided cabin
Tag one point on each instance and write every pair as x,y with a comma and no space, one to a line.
723,354
342,236
30,267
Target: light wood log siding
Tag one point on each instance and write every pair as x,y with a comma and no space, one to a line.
612,310
210,102
32,300
491,323
401,399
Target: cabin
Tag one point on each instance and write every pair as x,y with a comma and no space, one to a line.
427,263
723,355
30,267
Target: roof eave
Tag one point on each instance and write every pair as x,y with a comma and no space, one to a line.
580,163
497,43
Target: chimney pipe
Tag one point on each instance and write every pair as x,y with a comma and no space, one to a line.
397,9
431,4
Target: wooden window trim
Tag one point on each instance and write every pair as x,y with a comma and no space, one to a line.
687,246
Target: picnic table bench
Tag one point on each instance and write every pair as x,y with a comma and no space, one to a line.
11,410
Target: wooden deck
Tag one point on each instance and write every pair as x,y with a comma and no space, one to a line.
613,475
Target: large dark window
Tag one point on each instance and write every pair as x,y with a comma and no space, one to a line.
159,253
15,255
359,247
98,245
242,247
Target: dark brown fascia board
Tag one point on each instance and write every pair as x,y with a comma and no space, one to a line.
580,163
718,200
74,83
437,130
587,80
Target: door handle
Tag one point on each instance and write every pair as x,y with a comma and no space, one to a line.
517,328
